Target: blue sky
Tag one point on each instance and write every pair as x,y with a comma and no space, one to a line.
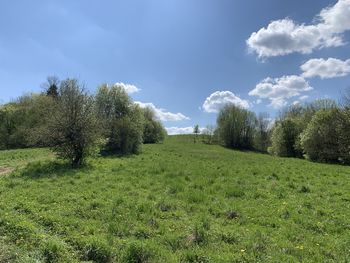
186,58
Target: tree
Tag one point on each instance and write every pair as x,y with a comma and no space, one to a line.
7,126
153,131
208,133
344,135
72,127
320,140
286,133
262,133
51,86
21,119
285,136
236,127
196,131
121,119
345,99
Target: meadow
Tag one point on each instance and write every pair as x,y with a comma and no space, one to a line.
178,201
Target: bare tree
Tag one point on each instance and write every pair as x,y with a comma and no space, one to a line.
208,133
345,100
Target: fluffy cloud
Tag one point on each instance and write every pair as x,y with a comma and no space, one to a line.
220,98
129,88
285,36
179,130
279,90
162,114
325,68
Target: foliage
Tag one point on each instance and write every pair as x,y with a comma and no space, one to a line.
236,127
286,133
71,130
209,134
262,133
325,138
51,86
121,120
285,136
196,131
153,131
21,121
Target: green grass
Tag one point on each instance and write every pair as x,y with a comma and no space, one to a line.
175,202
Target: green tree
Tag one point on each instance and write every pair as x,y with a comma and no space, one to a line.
196,131
208,134
51,86
320,140
236,127
71,130
121,119
285,138
153,131
262,133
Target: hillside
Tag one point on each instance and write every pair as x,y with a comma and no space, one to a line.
176,202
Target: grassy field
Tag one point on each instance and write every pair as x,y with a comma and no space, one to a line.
176,202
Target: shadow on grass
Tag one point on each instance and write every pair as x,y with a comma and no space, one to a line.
42,169
117,155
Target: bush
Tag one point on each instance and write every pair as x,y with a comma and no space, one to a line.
126,133
72,129
236,127
153,131
22,120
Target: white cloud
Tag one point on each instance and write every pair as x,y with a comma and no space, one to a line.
325,68
162,114
129,88
218,99
179,130
282,37
182,130
303,97
279,90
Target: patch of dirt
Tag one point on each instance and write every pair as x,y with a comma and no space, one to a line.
5,170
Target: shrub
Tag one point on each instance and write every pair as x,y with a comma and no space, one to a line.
153,131
72,129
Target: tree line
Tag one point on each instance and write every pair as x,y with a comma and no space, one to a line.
318,131
76,124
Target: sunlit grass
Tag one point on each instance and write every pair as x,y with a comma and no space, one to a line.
175,202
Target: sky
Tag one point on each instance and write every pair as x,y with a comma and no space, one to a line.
183,58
